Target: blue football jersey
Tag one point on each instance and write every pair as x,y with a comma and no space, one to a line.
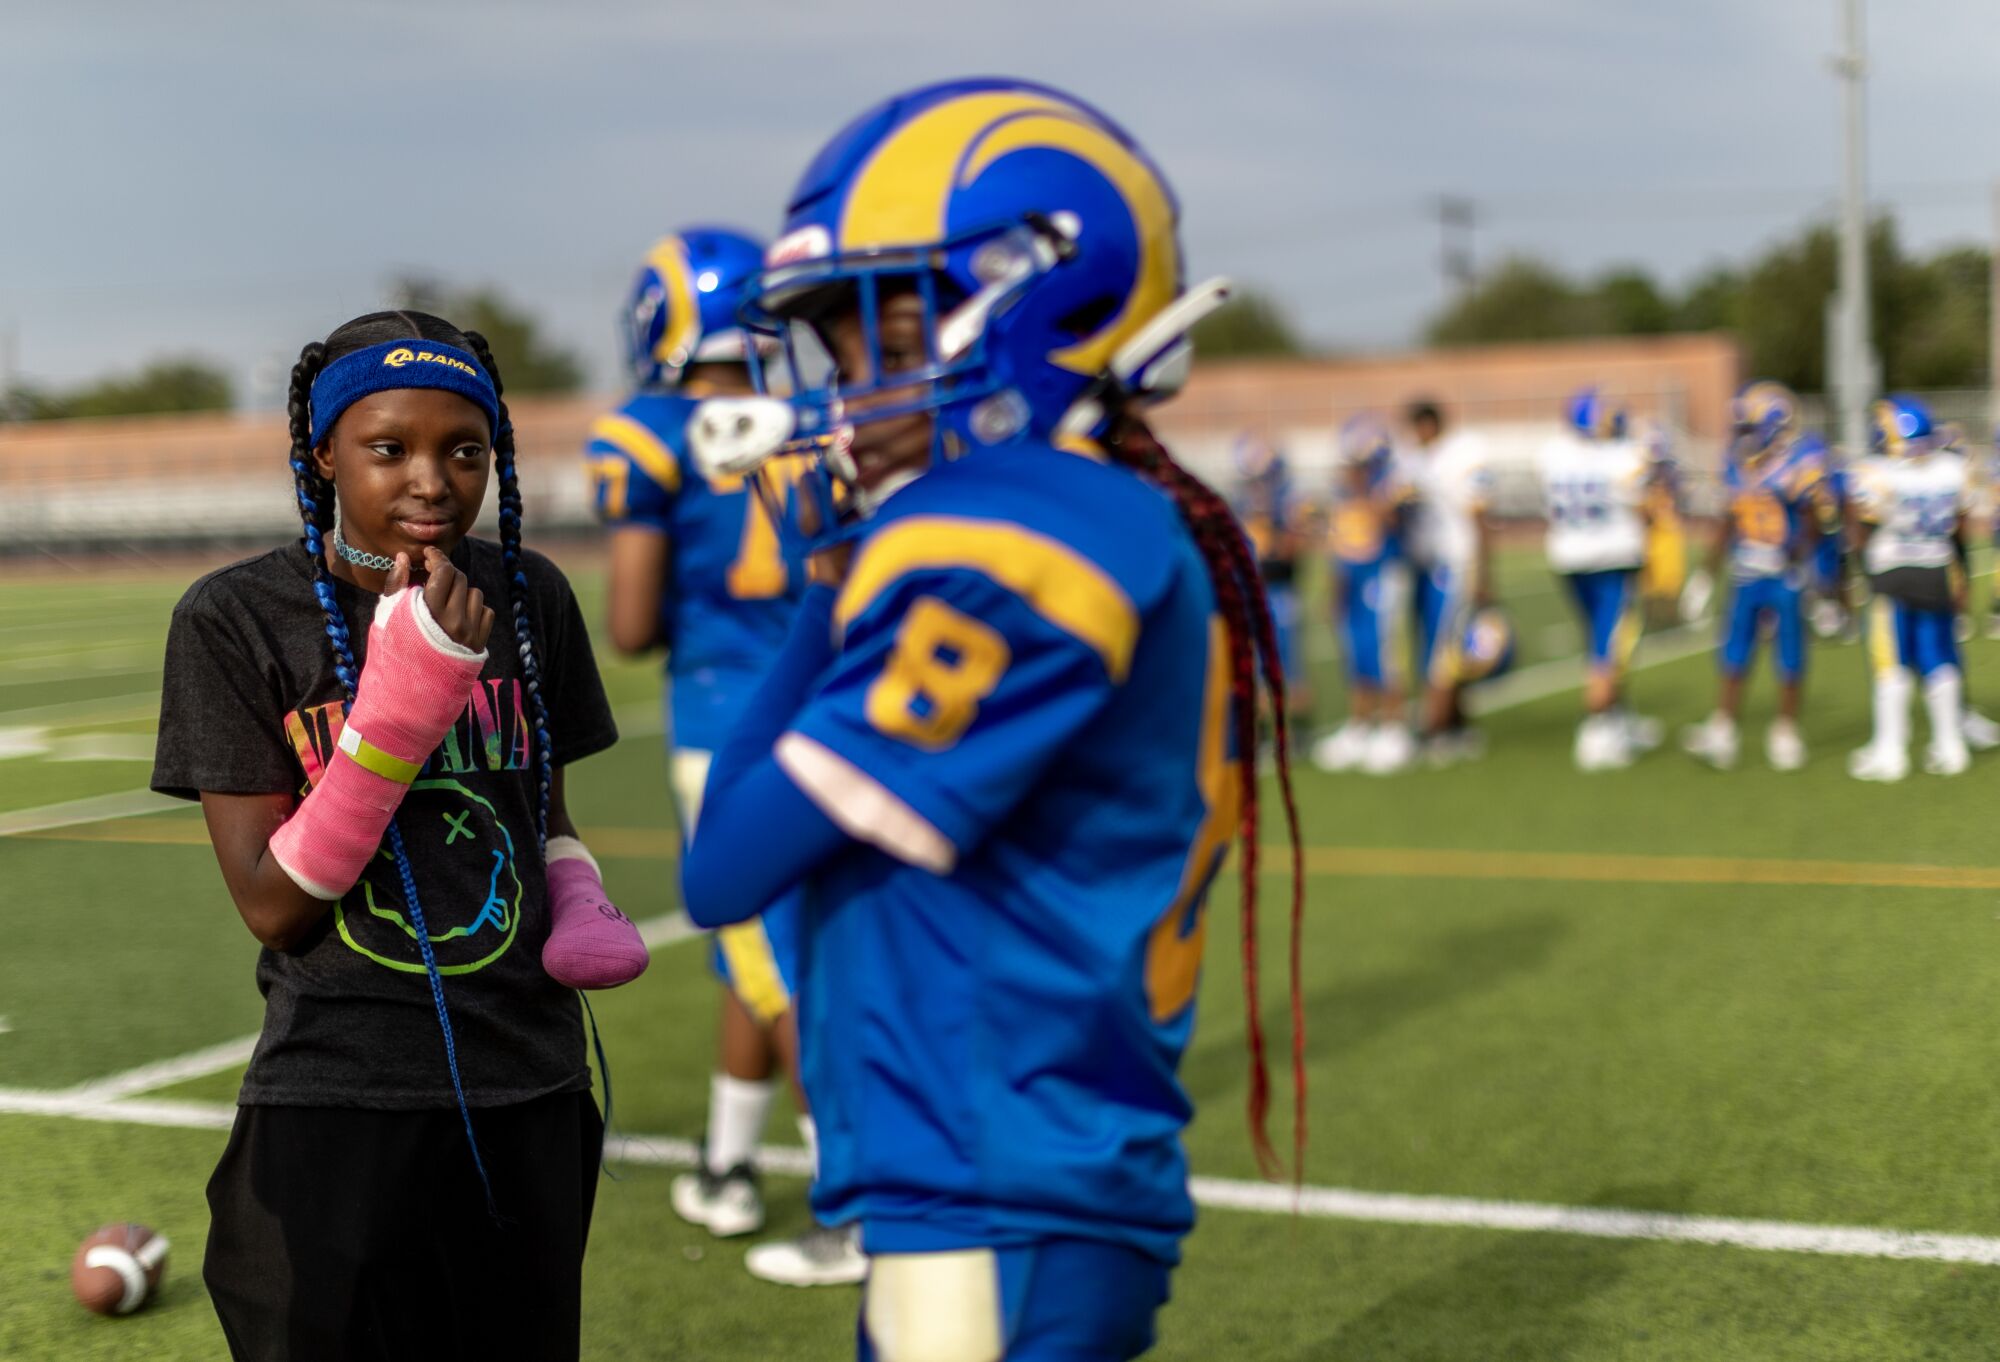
1025,727
1364,526
1270,511
1771,503
732,587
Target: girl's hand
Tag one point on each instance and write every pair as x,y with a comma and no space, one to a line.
457,605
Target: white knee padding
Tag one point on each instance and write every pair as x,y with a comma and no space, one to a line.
934,1307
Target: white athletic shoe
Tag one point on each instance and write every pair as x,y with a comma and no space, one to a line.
1713,740
1981,733
1784,746
1390,749
1875,762
1947,759
725,1204
822,1256
1993,625
1601,744
1643,733
1828,618
1343,749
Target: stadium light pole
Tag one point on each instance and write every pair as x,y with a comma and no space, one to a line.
1856,379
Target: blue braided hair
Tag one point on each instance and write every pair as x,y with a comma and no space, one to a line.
316,509
524,642
517,590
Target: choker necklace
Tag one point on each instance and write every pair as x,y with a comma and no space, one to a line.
357,557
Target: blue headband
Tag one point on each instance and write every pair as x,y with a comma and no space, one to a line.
400,364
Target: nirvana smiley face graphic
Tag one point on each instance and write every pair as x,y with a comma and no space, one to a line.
464,872
468,930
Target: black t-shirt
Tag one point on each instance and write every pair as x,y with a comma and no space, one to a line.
251,705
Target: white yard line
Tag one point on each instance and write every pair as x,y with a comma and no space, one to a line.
669,929
1771,1236
1318,1203
1566,673
164,1073
135,704
96,809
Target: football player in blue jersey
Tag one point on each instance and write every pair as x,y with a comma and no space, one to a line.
1005,749
1775,514
1274,517
697,566
1371,588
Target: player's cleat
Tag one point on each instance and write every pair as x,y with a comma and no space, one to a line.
822,1256
1962,629
1993,625
1946,758
1601,744
1828,619
1390,749
1643,733
1343,749
1876,762
1713,740
725,1204
1982,734
1784,746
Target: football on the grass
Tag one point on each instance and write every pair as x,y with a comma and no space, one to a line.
118,1269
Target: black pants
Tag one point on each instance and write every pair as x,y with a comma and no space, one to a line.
339,1234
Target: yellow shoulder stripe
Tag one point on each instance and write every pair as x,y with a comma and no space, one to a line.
1059,584
641,445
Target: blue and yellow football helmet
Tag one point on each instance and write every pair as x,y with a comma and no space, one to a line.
1487,650
1255,457
1366,442
1042,242
1594,416
1900,426
682,308
1766,417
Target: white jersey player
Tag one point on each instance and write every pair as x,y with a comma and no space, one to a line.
1450,481
1910,504
1594,484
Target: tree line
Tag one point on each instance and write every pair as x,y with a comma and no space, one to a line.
1930,313
529,363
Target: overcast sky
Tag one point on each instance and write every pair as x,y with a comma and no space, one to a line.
234,179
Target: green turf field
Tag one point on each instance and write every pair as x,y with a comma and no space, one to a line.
1752,996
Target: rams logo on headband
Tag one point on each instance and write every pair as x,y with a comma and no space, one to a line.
403,354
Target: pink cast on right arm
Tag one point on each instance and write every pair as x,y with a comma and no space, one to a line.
414,686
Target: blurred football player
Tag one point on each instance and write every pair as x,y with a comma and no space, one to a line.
1910,506
1009,743
1993,534
1274,517
1832,610
1450,552
1664,574
1371,590
1771,476
1594,485
697,567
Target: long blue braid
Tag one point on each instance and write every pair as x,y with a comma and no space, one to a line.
315,496
524,641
